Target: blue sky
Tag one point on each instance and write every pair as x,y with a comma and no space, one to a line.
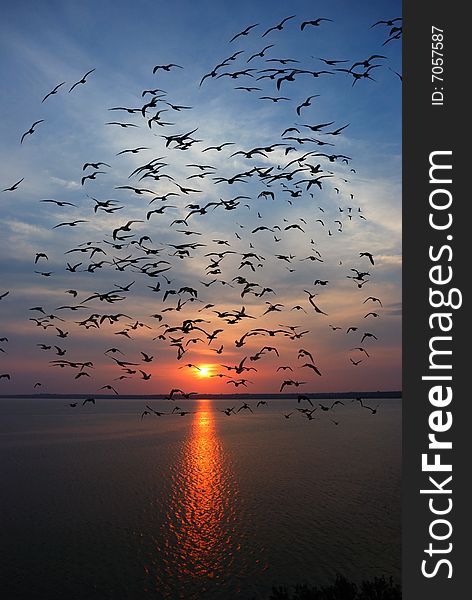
45,44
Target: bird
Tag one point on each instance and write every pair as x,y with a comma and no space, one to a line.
373,299
314,22
261,53
361,350
30,131
274,98
245,406
109,387
247,89
301,397
244,32
337,131
313,367
165,67
54,91
90,176
181,392
155,412
399,75
81,80
372,410
218,148
366,63
290,382
306,103
279,27
389,22
14,186
369,256
124,125
131,151
40,255
229,411
396,36
70,223
332,63
310,300
95,165
59,202
358,76
370,335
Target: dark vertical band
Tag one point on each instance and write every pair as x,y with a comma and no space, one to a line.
436,215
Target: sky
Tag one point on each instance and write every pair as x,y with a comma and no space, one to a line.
354,208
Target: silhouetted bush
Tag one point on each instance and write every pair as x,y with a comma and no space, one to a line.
342,589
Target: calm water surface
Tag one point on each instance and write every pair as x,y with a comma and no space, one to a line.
99,504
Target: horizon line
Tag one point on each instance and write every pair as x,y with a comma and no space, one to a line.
197,396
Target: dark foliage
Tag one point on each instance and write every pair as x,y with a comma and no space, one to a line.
379,588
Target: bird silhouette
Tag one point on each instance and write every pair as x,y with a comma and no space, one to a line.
278,27
13,187
30,131
244,32
314,22
81,80
52,92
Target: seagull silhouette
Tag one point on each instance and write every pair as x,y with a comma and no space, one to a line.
54,91
81,80
30,131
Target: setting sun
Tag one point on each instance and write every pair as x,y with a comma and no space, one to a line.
204,371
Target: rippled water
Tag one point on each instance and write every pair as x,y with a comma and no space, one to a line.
97,503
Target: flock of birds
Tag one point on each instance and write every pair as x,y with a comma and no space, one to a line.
298,166
245,406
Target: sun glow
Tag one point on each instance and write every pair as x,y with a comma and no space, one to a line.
204,371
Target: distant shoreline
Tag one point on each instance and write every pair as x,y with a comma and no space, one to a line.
313,396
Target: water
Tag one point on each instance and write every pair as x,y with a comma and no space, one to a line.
99,504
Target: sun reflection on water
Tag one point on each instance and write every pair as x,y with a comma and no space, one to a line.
198,538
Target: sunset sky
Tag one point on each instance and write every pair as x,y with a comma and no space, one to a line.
357,210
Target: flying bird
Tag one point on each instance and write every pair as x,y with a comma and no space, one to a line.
165,67
14,186
369,256
54,91
370,335
81,80
261,53
314,23
389,22
306,103
373,299
109,387
30,131
279,27
244,32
